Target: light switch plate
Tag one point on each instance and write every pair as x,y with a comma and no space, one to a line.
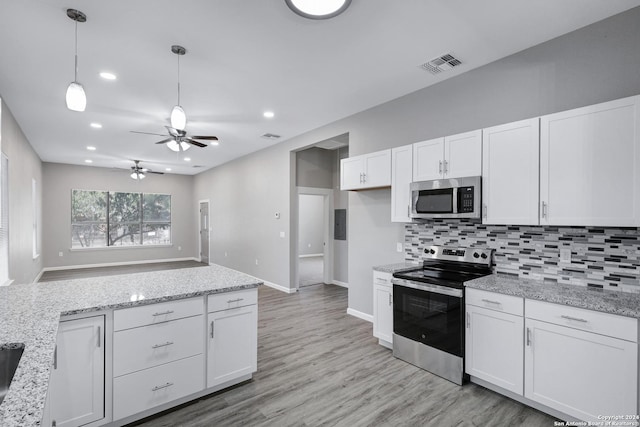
282,234
399,247
565,255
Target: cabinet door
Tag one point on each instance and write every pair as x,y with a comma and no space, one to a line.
351,170
510,173
383,313
576,372
76,386
494,347
590,165
377,171
428,159
232,344
401,176
463,155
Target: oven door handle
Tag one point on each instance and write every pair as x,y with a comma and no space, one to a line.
428,287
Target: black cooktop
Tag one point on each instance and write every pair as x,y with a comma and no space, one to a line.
452,275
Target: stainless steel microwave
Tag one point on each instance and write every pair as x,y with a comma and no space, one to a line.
446,198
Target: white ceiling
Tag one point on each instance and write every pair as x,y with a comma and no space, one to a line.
243,57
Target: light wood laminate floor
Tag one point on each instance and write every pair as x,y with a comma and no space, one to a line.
319,366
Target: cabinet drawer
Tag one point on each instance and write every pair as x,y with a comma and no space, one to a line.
146,389
382,278
597,322
141,348
494,301
156,313
226,300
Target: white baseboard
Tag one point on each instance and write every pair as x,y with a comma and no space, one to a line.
310,255
338,283
37,278
360,315
279,287
114,264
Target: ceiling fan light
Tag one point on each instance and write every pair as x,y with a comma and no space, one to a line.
136,175
178,118
76,98
174,146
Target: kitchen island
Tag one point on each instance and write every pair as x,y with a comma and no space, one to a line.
30,315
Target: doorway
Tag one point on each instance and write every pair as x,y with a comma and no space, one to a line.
314,261
204,231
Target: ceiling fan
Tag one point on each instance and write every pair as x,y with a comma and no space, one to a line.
138,172
178,140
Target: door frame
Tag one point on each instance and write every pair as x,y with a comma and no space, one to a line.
200,228
327,254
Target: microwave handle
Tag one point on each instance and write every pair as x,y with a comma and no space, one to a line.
455,200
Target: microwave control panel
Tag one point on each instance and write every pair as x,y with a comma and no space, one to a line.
465,199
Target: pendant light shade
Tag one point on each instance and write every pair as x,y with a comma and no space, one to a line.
175,146
178,118
76,98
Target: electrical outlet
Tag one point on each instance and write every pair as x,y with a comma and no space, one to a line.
60,253
309,245
256,261
282,234
565,255
399,247
179,248
225,254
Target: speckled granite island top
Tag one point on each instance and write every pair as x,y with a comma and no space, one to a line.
621,303
29,314
398,267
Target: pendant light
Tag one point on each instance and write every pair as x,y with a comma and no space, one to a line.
76,98
178,116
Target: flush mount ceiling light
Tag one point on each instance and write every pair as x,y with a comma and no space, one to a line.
318,9
178,116
76,98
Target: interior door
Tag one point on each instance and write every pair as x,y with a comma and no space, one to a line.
204,232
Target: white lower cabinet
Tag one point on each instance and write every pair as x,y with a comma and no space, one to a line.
383,308
232,337
77,385
570,368
493,339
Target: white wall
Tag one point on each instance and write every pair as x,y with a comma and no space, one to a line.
310,224
60,179
24,165
594,64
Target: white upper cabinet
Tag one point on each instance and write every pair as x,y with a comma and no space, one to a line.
590,165
453,156
371,170
510,173
401,176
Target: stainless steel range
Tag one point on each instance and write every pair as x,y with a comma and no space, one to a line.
428,309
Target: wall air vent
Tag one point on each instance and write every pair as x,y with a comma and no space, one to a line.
270,136
441,63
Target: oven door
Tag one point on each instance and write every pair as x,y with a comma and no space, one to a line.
429,314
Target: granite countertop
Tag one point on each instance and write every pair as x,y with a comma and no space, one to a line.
395,268
29,314
614,302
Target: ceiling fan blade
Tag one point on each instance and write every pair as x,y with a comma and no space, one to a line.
147,133
206,138
196,143
158,173
164,141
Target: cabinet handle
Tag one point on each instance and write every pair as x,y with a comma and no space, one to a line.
162,345
408,211
235,300
528,337
446,167
53,423
160,387
162,313
488,301
577,319
468,321
99,336
440,166
544,209
364,178
390,299
55,358
212,329
484,211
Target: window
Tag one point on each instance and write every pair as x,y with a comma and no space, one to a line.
101,219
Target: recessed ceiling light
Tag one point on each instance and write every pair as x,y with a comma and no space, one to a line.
108,76
187,159
168,169
91,148
268,114
88,161
314,9
96,125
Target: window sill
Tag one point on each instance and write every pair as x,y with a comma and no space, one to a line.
119,248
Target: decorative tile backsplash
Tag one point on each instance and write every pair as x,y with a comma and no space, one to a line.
606,258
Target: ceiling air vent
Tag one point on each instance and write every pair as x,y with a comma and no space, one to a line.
441,63
270,136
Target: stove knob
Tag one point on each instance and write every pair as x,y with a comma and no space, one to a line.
484,256
426,251
476,255
431,251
